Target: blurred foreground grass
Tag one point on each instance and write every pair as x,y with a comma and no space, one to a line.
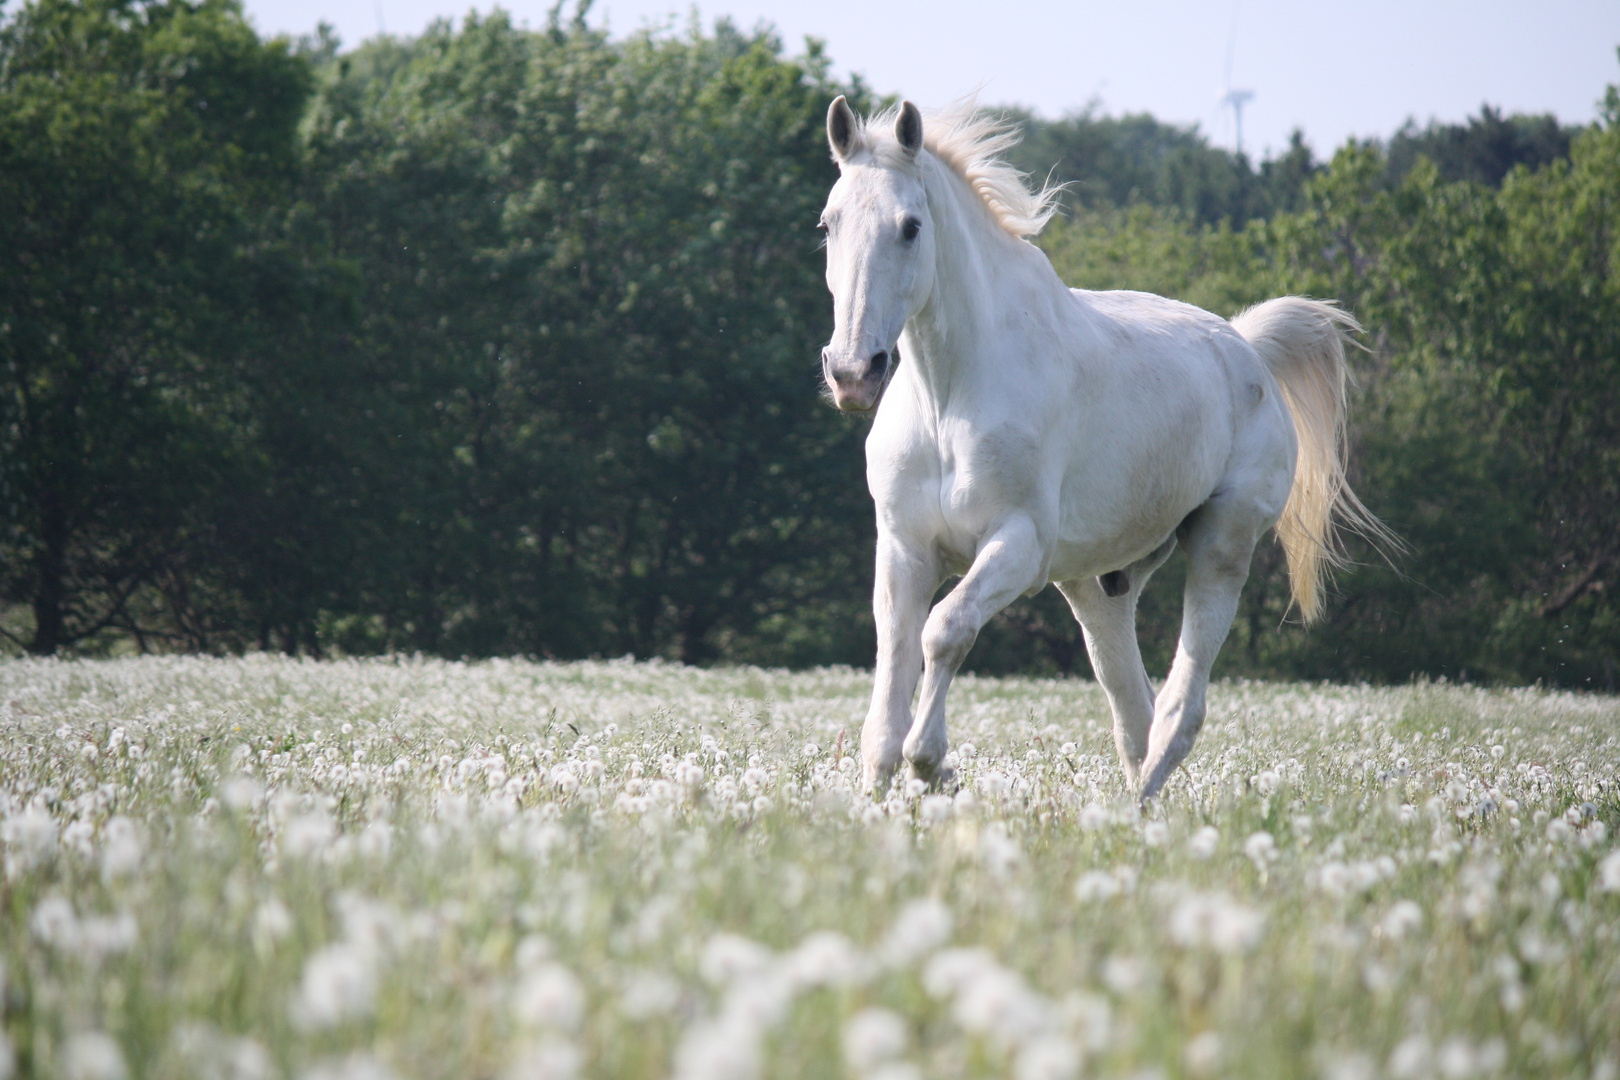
262,867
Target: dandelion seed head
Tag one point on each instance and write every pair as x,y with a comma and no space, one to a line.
729,957
920,927
1048,1057
825,958
1124,975
548,1058
1215,921
1411,1058
212,1055
1094,885
92,1055
723,1049
873,1037
1403,918
1260,848
339,984
357,1066
647,994
1202,1054
1608,872
950,970
1203,843
30,838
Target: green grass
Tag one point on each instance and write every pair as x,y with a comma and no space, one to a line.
267,867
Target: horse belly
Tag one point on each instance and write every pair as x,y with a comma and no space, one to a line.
1118,508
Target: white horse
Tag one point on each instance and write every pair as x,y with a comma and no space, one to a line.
1035,433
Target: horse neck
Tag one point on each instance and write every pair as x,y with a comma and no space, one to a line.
978,268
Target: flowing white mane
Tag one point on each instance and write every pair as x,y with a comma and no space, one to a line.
971,143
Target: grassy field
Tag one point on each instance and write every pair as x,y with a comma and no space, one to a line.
261,867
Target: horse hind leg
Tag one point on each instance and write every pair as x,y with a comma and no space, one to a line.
1220,541
1107,617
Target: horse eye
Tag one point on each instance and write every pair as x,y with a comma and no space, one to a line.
822,224
911,228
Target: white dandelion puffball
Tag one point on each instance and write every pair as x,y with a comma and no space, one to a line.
546,1059
1048,1057
921,927
1215,921
549,996
1608,872
339,984
358,1066
1260,848
1094,885
872,1037
92,1055
728,957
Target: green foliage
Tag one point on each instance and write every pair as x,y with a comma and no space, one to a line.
497,341
591,284
1134,159
1485,149
1486,422
137,141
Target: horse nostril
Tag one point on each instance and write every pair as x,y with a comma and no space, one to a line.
879,364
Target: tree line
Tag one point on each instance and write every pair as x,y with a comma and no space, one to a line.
503,341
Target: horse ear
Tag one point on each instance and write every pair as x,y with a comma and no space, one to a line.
908,128
841,128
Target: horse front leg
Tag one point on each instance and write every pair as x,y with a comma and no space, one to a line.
1007,565
903,585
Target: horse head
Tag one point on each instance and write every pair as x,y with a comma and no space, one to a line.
880,250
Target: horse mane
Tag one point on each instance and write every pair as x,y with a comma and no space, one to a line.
971,143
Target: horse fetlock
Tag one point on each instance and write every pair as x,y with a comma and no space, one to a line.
1132,768
878,765
875,777
926,756
1154,777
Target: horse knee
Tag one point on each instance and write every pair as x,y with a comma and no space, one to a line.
948,636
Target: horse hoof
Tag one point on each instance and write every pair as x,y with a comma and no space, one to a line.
875,781
939,779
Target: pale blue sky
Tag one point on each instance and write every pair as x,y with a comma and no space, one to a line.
1334,70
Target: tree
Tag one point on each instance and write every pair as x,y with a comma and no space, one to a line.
137,140
591,290
1120,162
1484,149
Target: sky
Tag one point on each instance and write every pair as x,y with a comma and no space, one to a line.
1332,70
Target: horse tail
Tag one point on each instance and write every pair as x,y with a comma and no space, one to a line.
1302,342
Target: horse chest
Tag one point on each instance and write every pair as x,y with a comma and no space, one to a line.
951,488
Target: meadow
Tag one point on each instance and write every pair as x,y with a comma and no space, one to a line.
266,867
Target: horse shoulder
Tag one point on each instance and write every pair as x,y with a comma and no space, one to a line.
903,463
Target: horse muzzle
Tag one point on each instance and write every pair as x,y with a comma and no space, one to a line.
857,384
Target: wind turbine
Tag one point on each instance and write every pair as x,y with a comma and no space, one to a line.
1235,99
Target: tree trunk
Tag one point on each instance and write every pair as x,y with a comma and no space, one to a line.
50,595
